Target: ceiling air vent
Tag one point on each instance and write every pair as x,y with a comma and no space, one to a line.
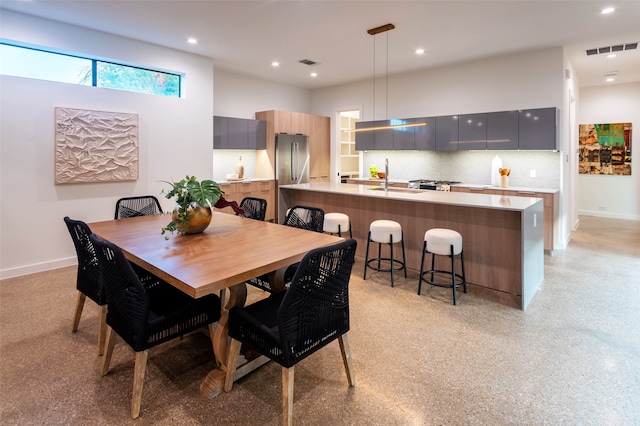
616,48
308,62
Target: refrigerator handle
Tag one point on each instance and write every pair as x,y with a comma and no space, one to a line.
291,167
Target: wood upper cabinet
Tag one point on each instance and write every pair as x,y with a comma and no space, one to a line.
319,148
447,133
472,132
502,130
537,129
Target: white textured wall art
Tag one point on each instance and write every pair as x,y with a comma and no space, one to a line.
95,146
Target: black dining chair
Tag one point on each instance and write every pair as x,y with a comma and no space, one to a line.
145,205
145,317
88,279
288,327
254,208
305,217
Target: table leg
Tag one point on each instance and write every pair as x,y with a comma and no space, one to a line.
213,384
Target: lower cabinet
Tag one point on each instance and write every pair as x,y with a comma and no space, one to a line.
236,191
551,203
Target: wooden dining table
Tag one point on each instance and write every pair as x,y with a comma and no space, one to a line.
230,251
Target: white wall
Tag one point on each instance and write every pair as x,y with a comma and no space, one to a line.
611,196
175,138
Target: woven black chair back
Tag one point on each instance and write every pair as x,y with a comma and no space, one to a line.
145,316
254,208
146,205
314,311
304,217
89,278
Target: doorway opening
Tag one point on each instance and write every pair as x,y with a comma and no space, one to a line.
350,161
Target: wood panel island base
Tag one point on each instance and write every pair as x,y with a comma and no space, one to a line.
503,235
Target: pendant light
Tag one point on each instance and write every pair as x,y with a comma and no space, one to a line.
375,31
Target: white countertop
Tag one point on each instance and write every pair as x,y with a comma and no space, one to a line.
502,202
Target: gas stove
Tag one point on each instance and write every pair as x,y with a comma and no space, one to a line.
431,184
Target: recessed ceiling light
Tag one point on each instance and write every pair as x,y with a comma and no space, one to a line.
192,40
275,64
608,10
611,55
419,51
610,79
314,74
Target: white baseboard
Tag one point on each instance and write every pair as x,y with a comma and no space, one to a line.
39,267
608,215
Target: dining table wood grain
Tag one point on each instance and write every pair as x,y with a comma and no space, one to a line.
230,251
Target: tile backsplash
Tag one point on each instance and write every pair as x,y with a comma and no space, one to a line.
472,167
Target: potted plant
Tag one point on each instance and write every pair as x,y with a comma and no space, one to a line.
195,200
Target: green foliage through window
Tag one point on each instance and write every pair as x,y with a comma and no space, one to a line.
33,63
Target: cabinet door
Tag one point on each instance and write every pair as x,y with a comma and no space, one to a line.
365,139
502,130
319,149
447,133
383,138
403,137
238,135
257,138
425,136
220,132
537,129
472,132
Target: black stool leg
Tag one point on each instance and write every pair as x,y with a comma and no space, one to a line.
391,248
404,258
464,277
453,274
366,257
424,248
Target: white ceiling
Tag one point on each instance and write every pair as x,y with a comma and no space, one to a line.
246,36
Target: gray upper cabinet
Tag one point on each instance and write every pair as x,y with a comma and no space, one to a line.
502,130
257,130
425,136
365,139
447,133
220,133
239,133
403,137
537,129
472,132
383,137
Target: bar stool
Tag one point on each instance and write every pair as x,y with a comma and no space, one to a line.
443,242
336,223
385,232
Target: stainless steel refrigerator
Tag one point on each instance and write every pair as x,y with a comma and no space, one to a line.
292,163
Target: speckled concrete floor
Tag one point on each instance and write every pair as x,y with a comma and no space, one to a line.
572,358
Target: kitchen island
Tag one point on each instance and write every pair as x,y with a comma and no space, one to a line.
503,235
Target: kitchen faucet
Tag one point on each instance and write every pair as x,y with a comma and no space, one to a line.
386,173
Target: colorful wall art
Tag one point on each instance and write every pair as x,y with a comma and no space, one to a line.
95,146
605,149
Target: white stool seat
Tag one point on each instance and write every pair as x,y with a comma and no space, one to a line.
383,230
440,240
336,223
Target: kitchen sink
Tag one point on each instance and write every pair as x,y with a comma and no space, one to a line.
403,190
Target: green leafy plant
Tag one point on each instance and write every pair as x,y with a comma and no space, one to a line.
190,193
